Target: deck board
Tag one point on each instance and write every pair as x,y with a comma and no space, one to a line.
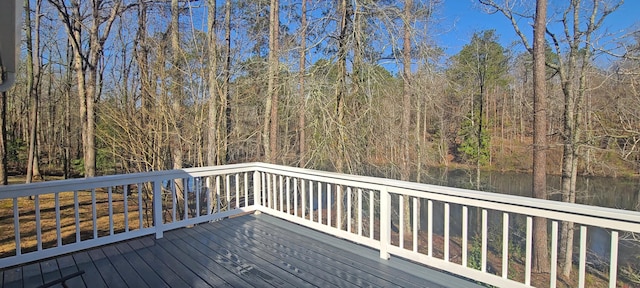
248,263
12,277
222,268
161,268
363,257
32,275
233,265
323,272
106,269
295,268
91,276
143,269
188,262
192,279
304,241
315,257
128,273
50,271
67,266
248,251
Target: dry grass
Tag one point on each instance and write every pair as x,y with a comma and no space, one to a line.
27,219
85,229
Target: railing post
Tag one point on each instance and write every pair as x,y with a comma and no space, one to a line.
256,188
157,208
385,222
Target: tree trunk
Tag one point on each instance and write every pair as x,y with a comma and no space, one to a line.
227,83
406,93
33,83
480,147
141,49
540,251
419,145
212,140
3,139
274,23
302,109
176,97
573,125
270,127
67,115
341,88
92,92
176,86
406,108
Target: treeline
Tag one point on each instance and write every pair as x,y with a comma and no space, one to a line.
137,85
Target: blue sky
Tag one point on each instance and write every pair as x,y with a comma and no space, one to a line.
459,19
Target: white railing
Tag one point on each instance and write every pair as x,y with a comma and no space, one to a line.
451,229
58,217
463,227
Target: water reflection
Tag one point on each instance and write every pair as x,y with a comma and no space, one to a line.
619,193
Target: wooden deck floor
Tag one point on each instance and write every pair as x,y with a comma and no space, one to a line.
247,251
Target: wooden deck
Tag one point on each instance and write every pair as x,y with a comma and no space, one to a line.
247,251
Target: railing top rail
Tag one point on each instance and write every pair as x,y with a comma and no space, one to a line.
24,190
31,189
513,200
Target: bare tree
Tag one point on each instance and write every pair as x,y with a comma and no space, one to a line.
33,84
578,60
66,90
101,15
341,87
3,138
406,91
575,44
227,82
220,125
406,106
541,258
176,87
270,128
212,50
302,93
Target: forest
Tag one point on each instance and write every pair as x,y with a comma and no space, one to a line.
118,86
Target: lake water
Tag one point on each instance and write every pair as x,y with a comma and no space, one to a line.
620,193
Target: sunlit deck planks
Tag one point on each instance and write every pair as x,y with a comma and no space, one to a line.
247,251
